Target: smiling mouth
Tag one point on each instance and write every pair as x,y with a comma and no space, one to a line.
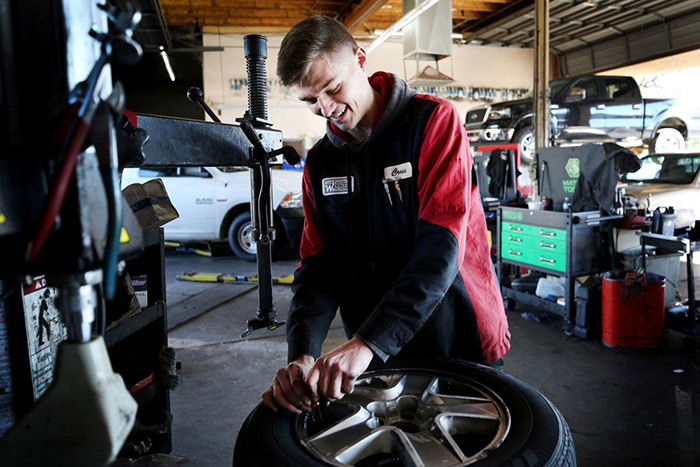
340,116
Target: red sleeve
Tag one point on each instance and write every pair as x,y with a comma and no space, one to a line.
311,242
444,172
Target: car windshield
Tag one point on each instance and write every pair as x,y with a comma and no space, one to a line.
678,169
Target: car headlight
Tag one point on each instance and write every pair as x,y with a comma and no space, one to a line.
495,114
291,200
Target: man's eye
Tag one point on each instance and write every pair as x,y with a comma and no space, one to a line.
334,91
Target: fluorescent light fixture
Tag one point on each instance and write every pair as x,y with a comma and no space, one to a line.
457,36
166,60
404,21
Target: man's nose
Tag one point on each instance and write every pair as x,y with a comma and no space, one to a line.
327,106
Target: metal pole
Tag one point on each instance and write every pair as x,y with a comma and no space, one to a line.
541,82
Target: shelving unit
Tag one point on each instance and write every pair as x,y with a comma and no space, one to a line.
562,244
135,343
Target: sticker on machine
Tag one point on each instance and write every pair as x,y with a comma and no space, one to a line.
337,186
398,172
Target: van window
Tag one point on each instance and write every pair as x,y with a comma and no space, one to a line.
158,172
194,172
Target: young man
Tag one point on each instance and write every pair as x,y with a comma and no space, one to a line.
394,234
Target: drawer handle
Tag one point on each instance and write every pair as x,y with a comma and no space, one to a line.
516,253
547,260
517,229
515,239
548,234
548,245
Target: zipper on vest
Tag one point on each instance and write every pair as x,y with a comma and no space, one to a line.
369,191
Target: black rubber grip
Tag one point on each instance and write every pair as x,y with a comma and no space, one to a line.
255,48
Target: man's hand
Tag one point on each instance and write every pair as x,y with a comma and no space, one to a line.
334,374
289,389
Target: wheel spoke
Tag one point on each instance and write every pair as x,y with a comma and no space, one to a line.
436,448
336,437
383,440
394,389
468,407
474,405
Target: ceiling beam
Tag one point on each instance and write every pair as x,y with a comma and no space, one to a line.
513,11
475,5
245,30
361,13
213,20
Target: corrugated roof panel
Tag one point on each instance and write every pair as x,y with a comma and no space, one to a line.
578,62
685,31
648,42
610,53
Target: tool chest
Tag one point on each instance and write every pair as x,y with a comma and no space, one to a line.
563,244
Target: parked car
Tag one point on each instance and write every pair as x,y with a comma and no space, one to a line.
214,204
590,108
672,180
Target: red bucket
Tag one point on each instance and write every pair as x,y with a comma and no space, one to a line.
633,311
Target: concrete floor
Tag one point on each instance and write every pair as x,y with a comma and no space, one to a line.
624,406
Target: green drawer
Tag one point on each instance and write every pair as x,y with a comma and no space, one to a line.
548,245
549,233
517,253
549,260
512,227
524,254
516,238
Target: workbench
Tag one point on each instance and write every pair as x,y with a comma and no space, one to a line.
562,244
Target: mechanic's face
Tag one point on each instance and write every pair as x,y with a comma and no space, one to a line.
337,89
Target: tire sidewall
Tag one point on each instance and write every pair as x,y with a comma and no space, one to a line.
518,137
536,433
238,223
661,135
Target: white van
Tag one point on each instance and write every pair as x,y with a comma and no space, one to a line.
214,204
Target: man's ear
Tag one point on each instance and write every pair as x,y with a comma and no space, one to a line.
361,57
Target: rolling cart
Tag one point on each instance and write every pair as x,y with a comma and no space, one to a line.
562,244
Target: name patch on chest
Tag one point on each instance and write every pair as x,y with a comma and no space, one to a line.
337,186
398,172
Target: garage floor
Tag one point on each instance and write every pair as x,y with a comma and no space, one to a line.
624,406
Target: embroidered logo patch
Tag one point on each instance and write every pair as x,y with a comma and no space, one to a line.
398,172
337,186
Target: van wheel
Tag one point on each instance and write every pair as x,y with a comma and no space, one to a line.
240,238
424,413
667,140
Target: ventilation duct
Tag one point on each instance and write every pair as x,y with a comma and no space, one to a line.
430,77
428,38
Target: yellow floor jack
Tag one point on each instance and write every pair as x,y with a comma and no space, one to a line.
192,276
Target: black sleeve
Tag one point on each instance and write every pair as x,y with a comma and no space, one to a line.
312,309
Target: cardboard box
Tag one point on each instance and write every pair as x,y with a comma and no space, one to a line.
150,203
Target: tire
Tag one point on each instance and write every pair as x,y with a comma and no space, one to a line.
240,239
525,138
667,140
512,424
